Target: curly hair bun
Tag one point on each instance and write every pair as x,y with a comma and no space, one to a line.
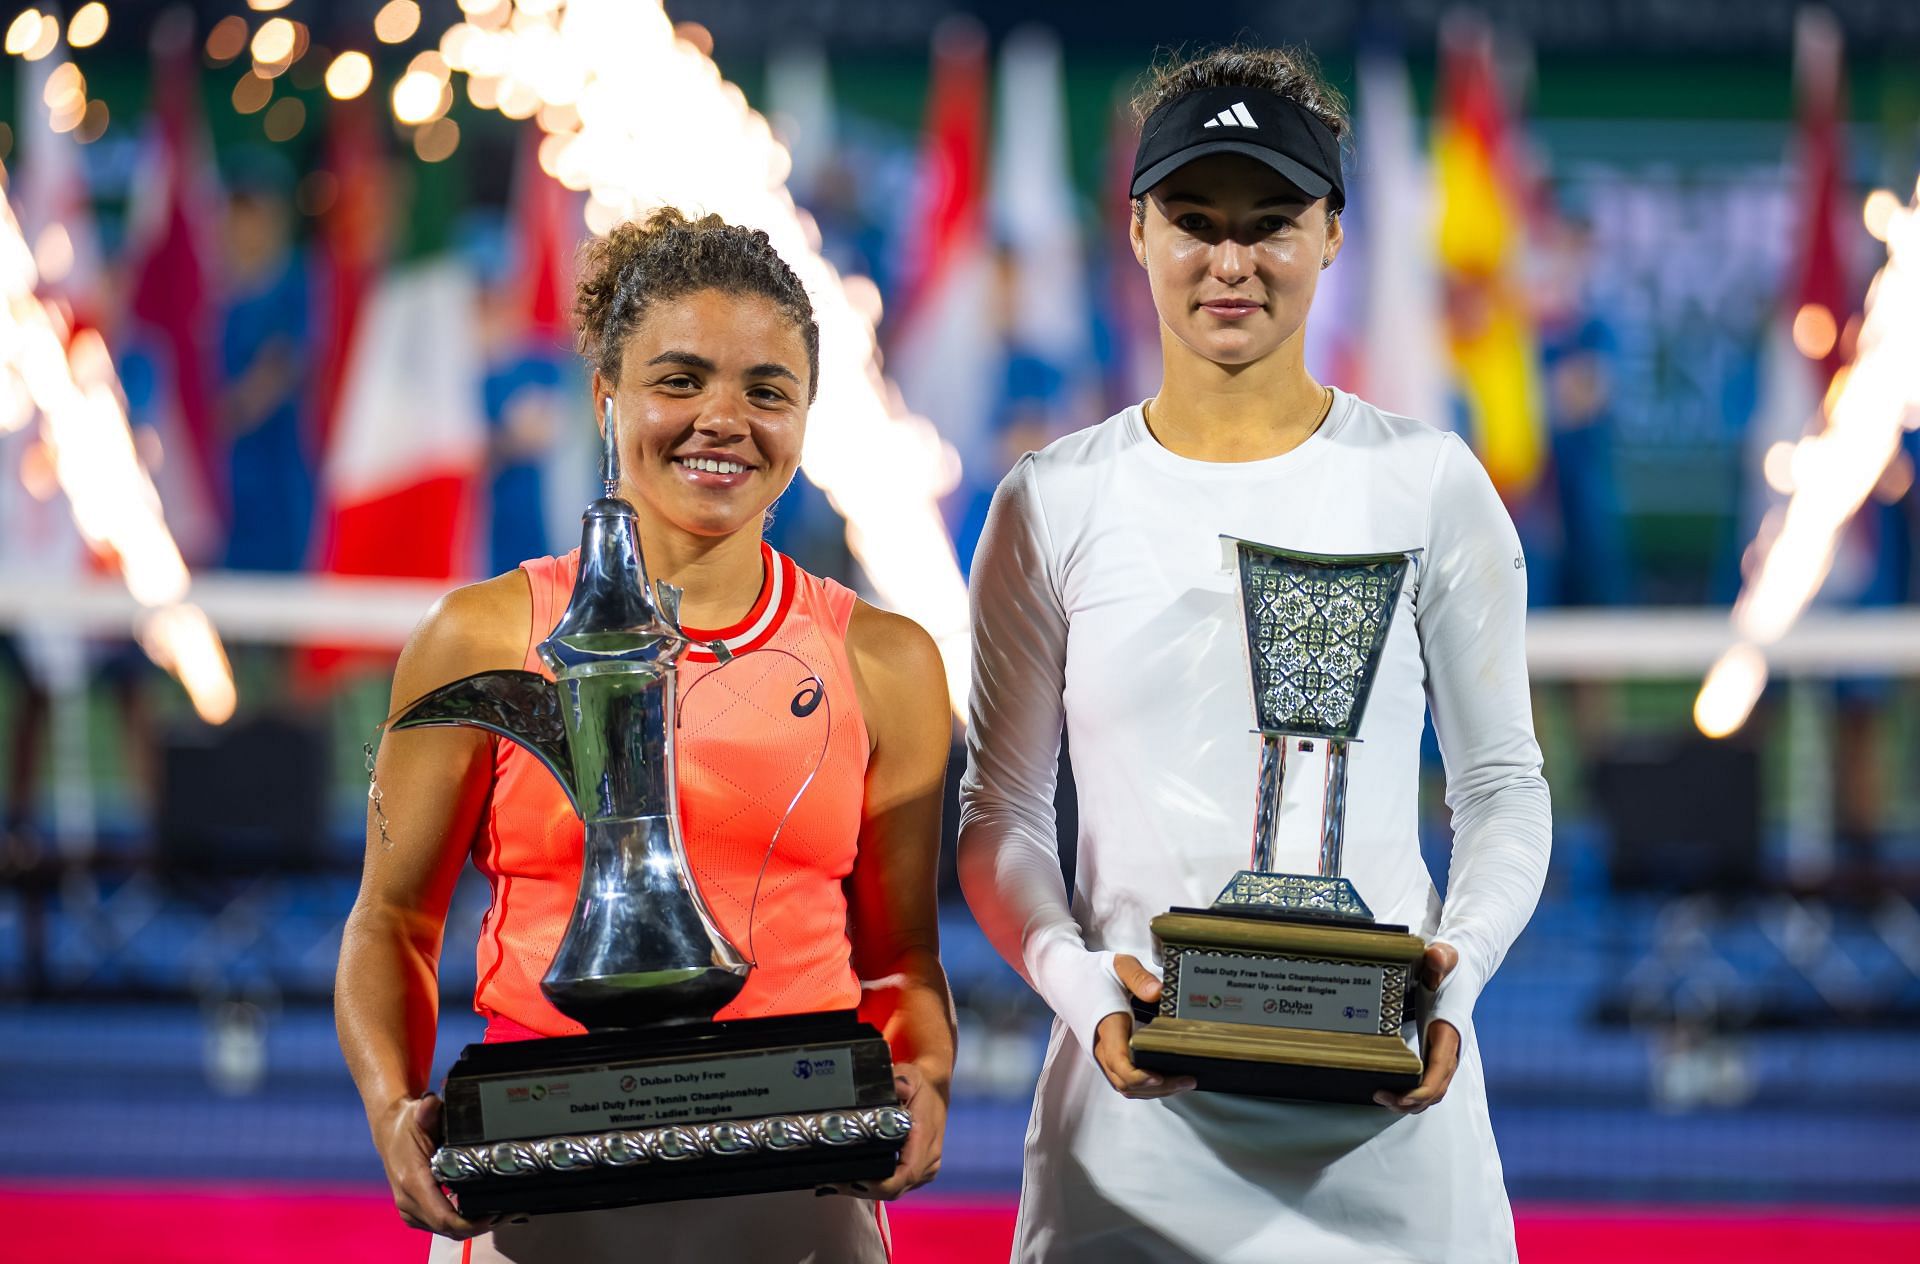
666,255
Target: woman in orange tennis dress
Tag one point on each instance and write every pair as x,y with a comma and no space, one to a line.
705,342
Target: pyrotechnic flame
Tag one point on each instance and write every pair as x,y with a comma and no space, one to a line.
1732,686
643,119
183,640
1834,471
71,382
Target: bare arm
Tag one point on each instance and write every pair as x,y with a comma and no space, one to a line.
433,787
892,904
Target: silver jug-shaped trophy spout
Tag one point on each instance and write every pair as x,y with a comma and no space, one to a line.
641,947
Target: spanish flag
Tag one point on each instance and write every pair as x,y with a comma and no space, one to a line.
945,351
1481,249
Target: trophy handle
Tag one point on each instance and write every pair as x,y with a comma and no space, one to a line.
1333,816
1266,811
521,706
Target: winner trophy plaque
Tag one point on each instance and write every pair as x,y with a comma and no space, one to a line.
1286,986
656,1101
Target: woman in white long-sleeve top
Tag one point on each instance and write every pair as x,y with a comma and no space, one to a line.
1101,604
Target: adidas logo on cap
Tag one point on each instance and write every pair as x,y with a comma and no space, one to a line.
1235,117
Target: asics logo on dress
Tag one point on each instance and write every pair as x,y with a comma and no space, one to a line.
1235,117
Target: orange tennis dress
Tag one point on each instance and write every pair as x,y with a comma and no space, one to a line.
771,763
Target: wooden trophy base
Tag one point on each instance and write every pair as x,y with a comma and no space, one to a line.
1272,1002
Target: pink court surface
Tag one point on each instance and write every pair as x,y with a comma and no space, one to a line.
203,1224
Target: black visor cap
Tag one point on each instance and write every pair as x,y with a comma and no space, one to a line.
1252,122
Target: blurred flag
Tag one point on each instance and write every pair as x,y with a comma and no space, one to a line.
946,351
1403,343
1336,330
409,441
800,105
1033,211
39,543
547,224
1807,338
1128,326
1803,349
1482,246
409,437
536,398
351,244
170,263
1820,275
49,190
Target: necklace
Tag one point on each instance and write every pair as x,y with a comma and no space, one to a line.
1146,417
1325,408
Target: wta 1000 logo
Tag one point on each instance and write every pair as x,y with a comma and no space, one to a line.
807,1068
539,1092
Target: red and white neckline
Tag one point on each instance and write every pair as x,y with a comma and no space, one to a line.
777,586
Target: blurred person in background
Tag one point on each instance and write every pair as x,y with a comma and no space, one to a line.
26,724
1589,562
522,396
704,341
1100,604
1578,351
1031,396
1878,561
42,663
523,405
266,330
1025,426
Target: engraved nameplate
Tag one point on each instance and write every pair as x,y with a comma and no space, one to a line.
596,1098
1275,992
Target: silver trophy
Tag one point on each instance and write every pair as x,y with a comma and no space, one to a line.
657,1101
1286,986
641,946
1316,626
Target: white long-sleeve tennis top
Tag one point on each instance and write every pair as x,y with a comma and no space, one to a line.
1102,604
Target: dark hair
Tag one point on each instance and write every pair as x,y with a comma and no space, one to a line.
665,256
1292,73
